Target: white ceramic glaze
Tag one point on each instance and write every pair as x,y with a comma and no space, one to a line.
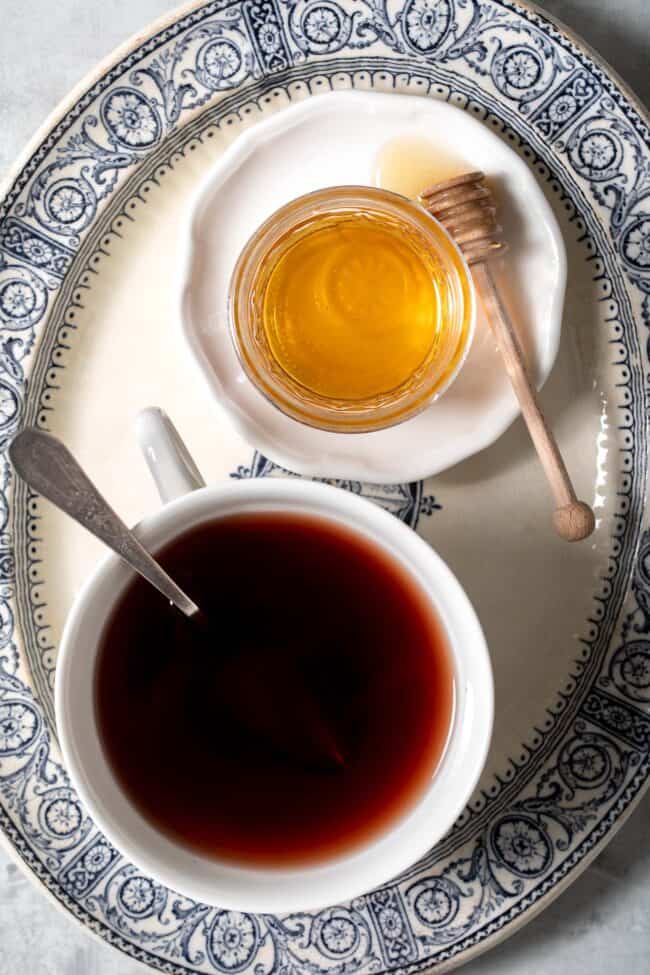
245,888
168,459
335,140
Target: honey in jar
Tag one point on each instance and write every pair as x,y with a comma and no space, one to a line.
351,309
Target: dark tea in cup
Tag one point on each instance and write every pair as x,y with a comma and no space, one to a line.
308,716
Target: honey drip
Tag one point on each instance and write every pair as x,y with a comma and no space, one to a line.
409,165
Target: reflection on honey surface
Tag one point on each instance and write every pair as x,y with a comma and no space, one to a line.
354,304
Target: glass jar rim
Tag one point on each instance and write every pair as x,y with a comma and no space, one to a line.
268,376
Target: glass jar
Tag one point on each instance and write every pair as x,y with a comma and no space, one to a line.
257,345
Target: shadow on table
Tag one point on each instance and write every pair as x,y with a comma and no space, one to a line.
615,31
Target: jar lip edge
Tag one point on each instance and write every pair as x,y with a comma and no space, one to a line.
349,195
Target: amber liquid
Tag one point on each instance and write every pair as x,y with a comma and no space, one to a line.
354,304
305,719
410,164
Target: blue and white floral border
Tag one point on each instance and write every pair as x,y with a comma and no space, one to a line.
585,134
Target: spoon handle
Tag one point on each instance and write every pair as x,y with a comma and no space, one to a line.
49,468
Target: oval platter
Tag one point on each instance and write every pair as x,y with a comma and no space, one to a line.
89,229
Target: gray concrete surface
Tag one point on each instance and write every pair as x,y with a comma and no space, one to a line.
602,923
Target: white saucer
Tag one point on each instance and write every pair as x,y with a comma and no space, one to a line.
332,140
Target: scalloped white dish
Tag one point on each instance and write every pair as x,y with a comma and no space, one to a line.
335,140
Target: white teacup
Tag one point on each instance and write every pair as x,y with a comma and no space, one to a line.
243,887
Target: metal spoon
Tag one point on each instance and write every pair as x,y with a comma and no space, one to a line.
49,468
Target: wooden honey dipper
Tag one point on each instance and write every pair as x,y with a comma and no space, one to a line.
466,208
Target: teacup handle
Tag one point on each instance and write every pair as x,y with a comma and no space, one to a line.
170,462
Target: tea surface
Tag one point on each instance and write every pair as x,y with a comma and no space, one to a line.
304,719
